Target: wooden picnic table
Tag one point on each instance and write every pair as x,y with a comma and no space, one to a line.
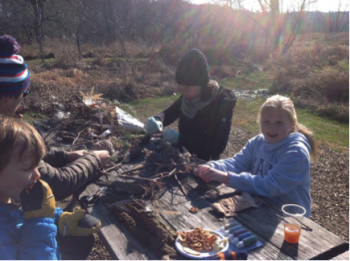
173,206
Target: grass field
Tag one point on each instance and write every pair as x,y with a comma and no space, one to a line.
252,81
331,133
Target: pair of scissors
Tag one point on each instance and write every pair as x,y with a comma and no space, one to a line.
88,201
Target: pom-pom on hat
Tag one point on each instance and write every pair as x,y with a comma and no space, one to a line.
193,69
14,75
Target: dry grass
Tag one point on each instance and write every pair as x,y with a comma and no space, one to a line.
316,74
122,79
66,51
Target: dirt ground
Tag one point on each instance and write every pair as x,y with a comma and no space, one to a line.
329,189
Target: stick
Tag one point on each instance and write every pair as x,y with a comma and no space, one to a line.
148,179
105,173
113,167
77,137
128,171
180,185
57,127
80,143
132,177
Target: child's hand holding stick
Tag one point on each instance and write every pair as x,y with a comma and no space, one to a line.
207,174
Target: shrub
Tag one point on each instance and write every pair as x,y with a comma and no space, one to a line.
169,88
67,58
316,77
221,72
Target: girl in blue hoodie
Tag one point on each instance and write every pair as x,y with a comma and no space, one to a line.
274,164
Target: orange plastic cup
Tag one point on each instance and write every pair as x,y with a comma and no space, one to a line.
293,216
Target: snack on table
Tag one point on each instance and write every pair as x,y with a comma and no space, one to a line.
193,210
197,239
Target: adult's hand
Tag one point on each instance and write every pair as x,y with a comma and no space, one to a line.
73,155
38,201
207,174
153,125
104,157
171,136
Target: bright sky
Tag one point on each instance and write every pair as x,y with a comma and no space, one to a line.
320,5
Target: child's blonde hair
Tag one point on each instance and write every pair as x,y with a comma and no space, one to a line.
286,104
16,133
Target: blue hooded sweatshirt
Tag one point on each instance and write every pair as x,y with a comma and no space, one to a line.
22,238
280,171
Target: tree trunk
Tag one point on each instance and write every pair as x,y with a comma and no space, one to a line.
78,42
38,7
275,25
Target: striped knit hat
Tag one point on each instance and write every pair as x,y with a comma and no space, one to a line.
14,75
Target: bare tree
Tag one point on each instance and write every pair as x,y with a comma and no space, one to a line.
125,17
80,14
278,22
339,24
230,3
38,7
108,9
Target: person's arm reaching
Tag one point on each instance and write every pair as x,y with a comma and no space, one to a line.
65,181
171,114
291,169
241,162
56,158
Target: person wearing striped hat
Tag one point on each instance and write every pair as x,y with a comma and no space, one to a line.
63,178
65,172
14,75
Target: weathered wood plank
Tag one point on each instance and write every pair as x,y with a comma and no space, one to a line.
174,208
342,257
267,222
271,228
120,243
264,222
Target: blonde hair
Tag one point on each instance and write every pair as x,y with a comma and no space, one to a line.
15,133
286,104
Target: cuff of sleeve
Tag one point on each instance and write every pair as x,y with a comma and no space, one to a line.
232,180
57,215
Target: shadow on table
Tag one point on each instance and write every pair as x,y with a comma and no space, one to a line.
291,249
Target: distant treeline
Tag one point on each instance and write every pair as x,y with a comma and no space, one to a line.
152,22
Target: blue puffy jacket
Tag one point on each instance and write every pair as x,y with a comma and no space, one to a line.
22,238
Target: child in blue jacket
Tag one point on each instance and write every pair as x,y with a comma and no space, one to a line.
274,164
30,232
